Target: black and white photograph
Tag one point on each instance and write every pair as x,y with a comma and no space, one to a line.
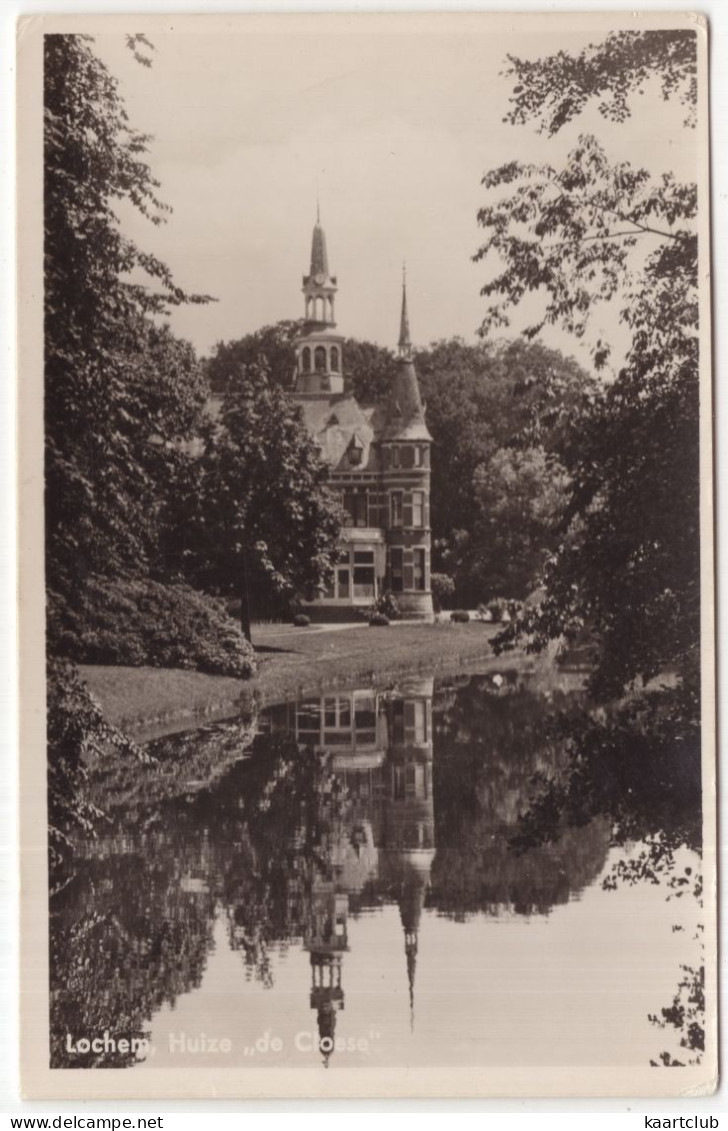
367,617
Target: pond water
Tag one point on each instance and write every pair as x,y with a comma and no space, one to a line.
355,880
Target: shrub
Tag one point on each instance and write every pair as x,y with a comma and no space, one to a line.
443,590
386,604
377,620
143,622
497,608
301,620
460,616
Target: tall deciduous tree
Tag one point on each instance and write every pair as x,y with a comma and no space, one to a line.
119,391
591,232
262,522
495,410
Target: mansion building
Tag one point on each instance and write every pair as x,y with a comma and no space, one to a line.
378,456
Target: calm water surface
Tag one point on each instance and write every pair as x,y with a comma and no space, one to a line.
346,882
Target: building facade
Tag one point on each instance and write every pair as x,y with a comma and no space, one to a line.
378,457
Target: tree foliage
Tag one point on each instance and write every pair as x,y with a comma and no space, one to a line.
120,391
271,346
257,521
368,368
553,90
627,563
497,412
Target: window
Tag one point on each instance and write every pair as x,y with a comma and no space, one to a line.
419,567
363,573
363,581
308,717
417,508
407,457
395,457
320,359
355,505
418,456
337,712
334,359
396,563
395,513
365,715
419,722
343,580
306,360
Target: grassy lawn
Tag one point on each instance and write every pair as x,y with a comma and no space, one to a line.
131,697
295,661
291,662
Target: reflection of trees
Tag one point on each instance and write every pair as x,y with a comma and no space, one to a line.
507,812
637,764
686,1016
131,934
134,931
276,819
489,748
179,764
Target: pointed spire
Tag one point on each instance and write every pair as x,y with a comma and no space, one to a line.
319,258
404,344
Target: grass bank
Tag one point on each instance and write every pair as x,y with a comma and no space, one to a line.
291,662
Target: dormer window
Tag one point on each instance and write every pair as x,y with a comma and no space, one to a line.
356,451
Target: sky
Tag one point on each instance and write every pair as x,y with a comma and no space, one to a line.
391,131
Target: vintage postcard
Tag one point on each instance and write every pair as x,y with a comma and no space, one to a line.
367,653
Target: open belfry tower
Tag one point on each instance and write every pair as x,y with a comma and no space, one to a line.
378,456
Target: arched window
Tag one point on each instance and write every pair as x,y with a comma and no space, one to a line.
334,359
320,359
306,360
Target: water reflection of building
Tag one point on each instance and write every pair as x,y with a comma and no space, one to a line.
381,748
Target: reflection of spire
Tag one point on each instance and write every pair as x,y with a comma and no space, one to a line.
325,939
326,999
410,949
411,902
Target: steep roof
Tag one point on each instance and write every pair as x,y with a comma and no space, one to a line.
403,417
334,422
